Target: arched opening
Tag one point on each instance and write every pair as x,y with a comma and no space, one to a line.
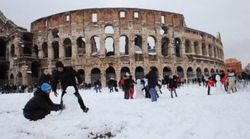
109,29
138,48
35,71
110,73
12,82
164,30
180,71
95,45
123,42
210,51
2,48
204,49
12,50
82,74
164,46
199,73
80,41
124,70
3,73
190,74
188,47
196,48
55,33
45,49
177,44
19,79
167,71
215,52
212,71
67,47
151,44
95,75
206,72
26,44
109,46
139,73
55,46
35,50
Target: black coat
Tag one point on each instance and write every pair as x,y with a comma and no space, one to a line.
172,83
39,106
67,78
152,79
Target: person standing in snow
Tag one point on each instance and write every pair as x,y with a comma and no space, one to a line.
67,76
172,85
126,85
152,82
210,83
224,81
40,104
231,81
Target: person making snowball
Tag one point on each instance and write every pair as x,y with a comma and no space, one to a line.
40,104
67,76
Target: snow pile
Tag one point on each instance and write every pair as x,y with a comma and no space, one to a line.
192,115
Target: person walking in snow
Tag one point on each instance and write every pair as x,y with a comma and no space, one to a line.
98,86
40,104
152,82
67,76
172,85
224,81
210,83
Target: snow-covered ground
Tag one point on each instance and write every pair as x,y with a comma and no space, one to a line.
193,115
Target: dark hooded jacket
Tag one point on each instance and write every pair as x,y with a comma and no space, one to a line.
67,78
39,106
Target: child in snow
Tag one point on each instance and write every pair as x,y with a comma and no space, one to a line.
210,83
40,104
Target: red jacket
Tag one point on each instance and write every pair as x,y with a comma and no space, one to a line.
224,80
210,82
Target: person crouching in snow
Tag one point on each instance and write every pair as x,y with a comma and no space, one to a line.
210,83
40,104
172,85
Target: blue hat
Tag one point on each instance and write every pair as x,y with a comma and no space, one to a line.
45,87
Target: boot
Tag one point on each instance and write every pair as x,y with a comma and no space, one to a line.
86,109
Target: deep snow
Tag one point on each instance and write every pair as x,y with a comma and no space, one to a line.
192,115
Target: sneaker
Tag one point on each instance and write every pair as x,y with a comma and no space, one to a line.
86,110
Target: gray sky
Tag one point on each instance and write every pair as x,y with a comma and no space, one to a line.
229,17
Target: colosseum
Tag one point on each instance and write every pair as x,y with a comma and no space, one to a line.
104,43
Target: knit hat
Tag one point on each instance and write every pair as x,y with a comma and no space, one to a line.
45,87
59,64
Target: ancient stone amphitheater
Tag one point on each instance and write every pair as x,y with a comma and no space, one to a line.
105,43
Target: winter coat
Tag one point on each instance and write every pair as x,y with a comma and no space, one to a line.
172,83
224,80
210,82
152,79
67,78
39,106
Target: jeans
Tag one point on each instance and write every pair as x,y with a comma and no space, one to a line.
153,94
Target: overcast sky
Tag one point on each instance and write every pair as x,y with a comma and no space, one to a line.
229,17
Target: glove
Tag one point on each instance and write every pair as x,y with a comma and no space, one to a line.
55,93
62,106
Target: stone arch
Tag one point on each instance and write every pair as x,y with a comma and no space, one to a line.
55,33
210,51
165,46
204,49
212,71
12,79
139,72
167,71
35,71
151,44
190,73
95,45
196,47
110,73
95,75
81,45
12,50
215,52
177,45
109,46
109,29
124,70
67,47
45,49
55,48
198,72
138,43
180,71
3,48
206,72
188,47
35,50
19,79
3,73
124,45
82,74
